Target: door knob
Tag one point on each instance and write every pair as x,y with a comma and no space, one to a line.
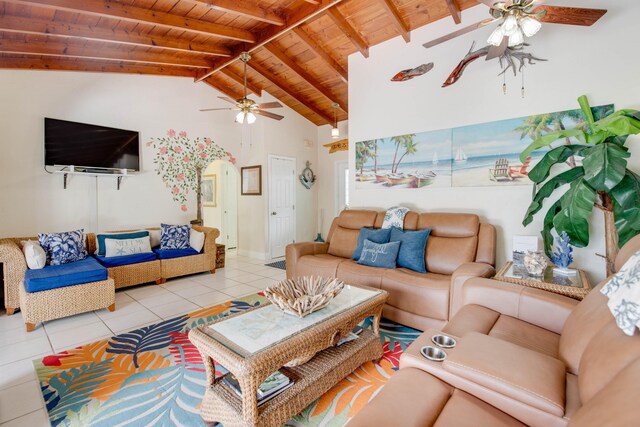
273,213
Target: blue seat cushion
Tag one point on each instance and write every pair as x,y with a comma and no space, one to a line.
117,261
58,276
175,253
412,249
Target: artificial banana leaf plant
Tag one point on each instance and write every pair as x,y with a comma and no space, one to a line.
602,180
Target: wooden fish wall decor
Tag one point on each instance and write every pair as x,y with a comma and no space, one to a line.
410,73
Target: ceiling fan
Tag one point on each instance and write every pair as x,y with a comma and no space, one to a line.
247,107
522,18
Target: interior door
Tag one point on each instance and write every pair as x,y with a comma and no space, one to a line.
282,225
342,186
229,206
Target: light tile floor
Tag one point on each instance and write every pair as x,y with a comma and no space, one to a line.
21,402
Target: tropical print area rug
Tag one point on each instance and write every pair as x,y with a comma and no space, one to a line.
154,376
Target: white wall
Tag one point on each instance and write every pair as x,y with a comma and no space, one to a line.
326,172
597,61
33,201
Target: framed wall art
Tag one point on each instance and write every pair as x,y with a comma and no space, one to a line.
251,180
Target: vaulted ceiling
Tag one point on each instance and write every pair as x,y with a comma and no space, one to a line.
299,48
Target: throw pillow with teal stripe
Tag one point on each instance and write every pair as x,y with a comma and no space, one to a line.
375,235
100,238
413,248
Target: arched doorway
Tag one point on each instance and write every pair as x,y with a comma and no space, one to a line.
223,212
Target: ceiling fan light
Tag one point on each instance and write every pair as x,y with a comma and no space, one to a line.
530,26
516,39
240,117
510,25
251,118
335,132
496,36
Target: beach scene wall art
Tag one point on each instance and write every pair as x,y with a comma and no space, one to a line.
485,154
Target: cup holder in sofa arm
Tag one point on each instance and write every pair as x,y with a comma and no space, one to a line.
532,378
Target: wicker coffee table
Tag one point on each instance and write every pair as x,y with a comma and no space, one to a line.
257,342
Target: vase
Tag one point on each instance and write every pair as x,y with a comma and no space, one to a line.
535,263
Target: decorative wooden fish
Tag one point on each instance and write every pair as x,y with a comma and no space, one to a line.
410,73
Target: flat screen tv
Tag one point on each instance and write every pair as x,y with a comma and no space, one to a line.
89,146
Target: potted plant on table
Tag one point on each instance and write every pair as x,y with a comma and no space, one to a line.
602,180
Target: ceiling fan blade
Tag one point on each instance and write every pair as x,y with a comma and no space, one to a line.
224,98
570,15
268,114
269,105
496,51
455,34
219,109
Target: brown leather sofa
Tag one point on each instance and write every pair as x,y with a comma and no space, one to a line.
523,357
458,247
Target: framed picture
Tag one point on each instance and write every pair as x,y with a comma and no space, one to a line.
251,180
209,191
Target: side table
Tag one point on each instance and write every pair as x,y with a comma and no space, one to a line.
576,286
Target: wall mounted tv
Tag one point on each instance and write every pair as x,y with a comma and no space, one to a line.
89,146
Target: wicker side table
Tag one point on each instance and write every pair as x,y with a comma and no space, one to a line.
576,286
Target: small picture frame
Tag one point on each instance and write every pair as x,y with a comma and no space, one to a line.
208,189
251,180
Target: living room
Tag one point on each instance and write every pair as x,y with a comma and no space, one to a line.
132,347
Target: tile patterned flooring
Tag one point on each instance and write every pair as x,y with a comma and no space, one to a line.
21,402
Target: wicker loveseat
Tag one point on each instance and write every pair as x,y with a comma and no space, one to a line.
157,270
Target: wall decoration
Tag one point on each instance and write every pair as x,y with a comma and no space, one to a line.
342,145
477,155
410,73
251,180
209,191
180,161
307,177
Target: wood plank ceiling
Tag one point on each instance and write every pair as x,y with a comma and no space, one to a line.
299,47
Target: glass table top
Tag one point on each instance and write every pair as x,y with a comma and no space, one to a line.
549,276
264,327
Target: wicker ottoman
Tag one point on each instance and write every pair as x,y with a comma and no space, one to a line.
53,304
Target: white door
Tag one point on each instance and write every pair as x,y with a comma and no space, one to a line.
282,199
229,206
342,186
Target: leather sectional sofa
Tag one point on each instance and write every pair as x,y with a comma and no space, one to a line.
459,247
523,357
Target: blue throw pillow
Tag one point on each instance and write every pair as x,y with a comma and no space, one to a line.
100,238
375,235
63,248
413,248
379,254
174,236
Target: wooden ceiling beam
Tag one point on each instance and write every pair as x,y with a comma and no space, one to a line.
114,9
318,50
251,87
17,24
349,31
224,88
396,19
29,47
92,66
454,10
298,16
241,8
282,84
304,75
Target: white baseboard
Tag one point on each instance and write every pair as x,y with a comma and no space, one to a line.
252,254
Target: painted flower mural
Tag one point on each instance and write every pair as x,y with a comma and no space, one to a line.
180,162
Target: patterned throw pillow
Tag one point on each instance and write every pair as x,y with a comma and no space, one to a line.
623,291
63,248
174,236
395,217
379,255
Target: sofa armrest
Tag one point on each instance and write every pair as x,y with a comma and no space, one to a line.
465,272
536,306
210,236
295,251
532,378
14,267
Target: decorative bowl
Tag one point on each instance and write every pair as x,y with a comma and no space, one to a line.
303,295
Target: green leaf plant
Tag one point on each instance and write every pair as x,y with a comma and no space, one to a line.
602,181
